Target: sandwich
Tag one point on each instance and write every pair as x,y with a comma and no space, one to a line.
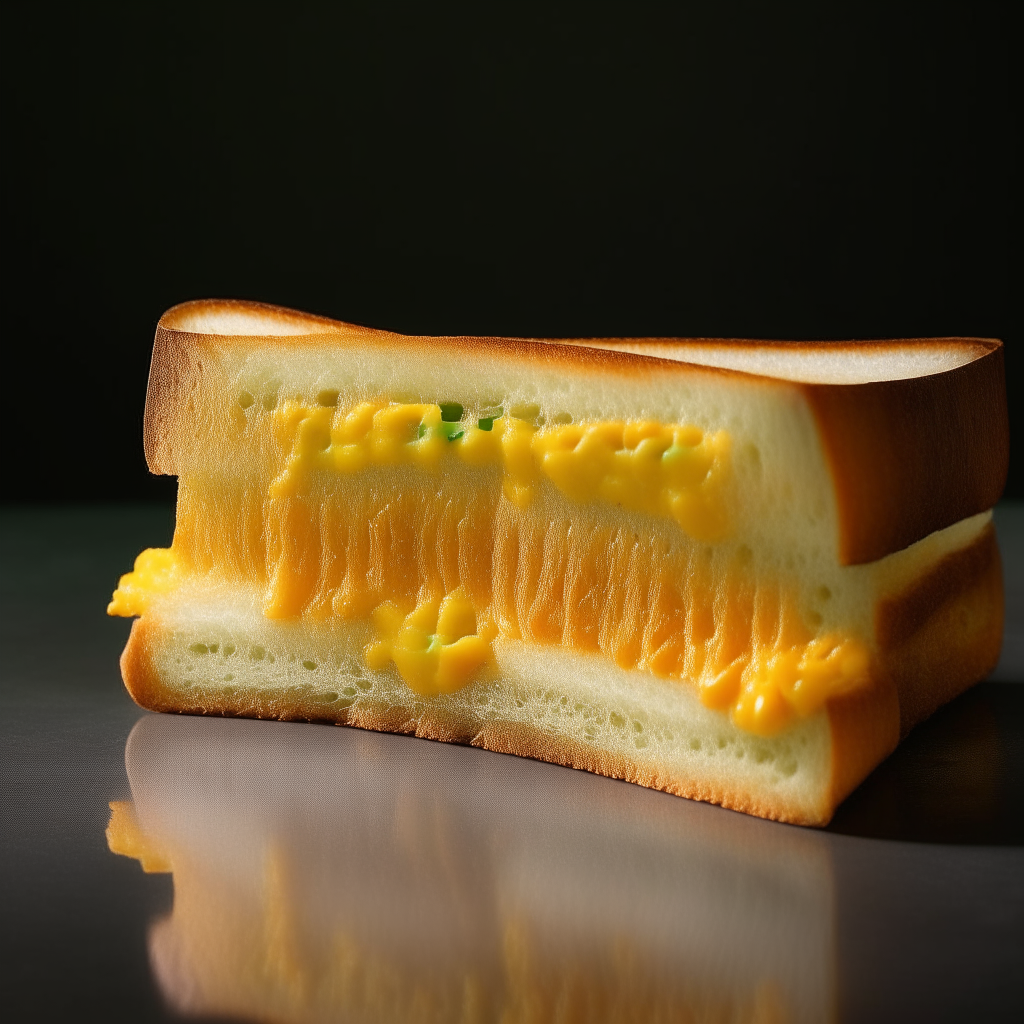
734,571
324,875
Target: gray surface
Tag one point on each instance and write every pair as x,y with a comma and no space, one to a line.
919,882
1010,527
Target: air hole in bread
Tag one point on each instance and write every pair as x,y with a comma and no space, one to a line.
528,412
269,395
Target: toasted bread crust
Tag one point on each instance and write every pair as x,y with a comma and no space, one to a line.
908,457
945,631
936,639
913,456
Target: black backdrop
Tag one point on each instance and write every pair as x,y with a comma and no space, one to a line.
719,170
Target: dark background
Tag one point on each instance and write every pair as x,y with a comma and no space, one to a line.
718,170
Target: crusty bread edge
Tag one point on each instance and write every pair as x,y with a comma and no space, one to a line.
908,457
936,639
944,632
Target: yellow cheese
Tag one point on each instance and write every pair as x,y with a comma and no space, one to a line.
674,472
156,572
437,647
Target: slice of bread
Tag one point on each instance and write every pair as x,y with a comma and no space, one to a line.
736,571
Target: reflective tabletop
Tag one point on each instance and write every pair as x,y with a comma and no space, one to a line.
164,867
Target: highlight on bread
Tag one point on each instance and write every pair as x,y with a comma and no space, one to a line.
328,874
735,571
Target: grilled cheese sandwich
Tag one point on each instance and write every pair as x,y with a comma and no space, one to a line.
734,571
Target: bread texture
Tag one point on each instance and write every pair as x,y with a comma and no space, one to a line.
757,630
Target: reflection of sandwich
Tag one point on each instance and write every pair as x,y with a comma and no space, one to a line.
735,571
439,884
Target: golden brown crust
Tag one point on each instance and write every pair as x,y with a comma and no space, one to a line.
913,456
173,377
944,633
865,729
528,741
908,457
178,317
936,639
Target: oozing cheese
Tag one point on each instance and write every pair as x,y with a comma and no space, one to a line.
155,572
674,472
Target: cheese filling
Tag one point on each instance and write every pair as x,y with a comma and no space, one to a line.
156,572
673,472
437,647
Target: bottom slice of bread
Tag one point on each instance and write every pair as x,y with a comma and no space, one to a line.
571,709
204,652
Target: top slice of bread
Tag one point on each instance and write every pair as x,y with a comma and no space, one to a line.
914,433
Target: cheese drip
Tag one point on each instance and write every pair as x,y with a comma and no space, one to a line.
675,472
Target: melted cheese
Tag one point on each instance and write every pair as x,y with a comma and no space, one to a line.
674,472
155,572
741,641
437,647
